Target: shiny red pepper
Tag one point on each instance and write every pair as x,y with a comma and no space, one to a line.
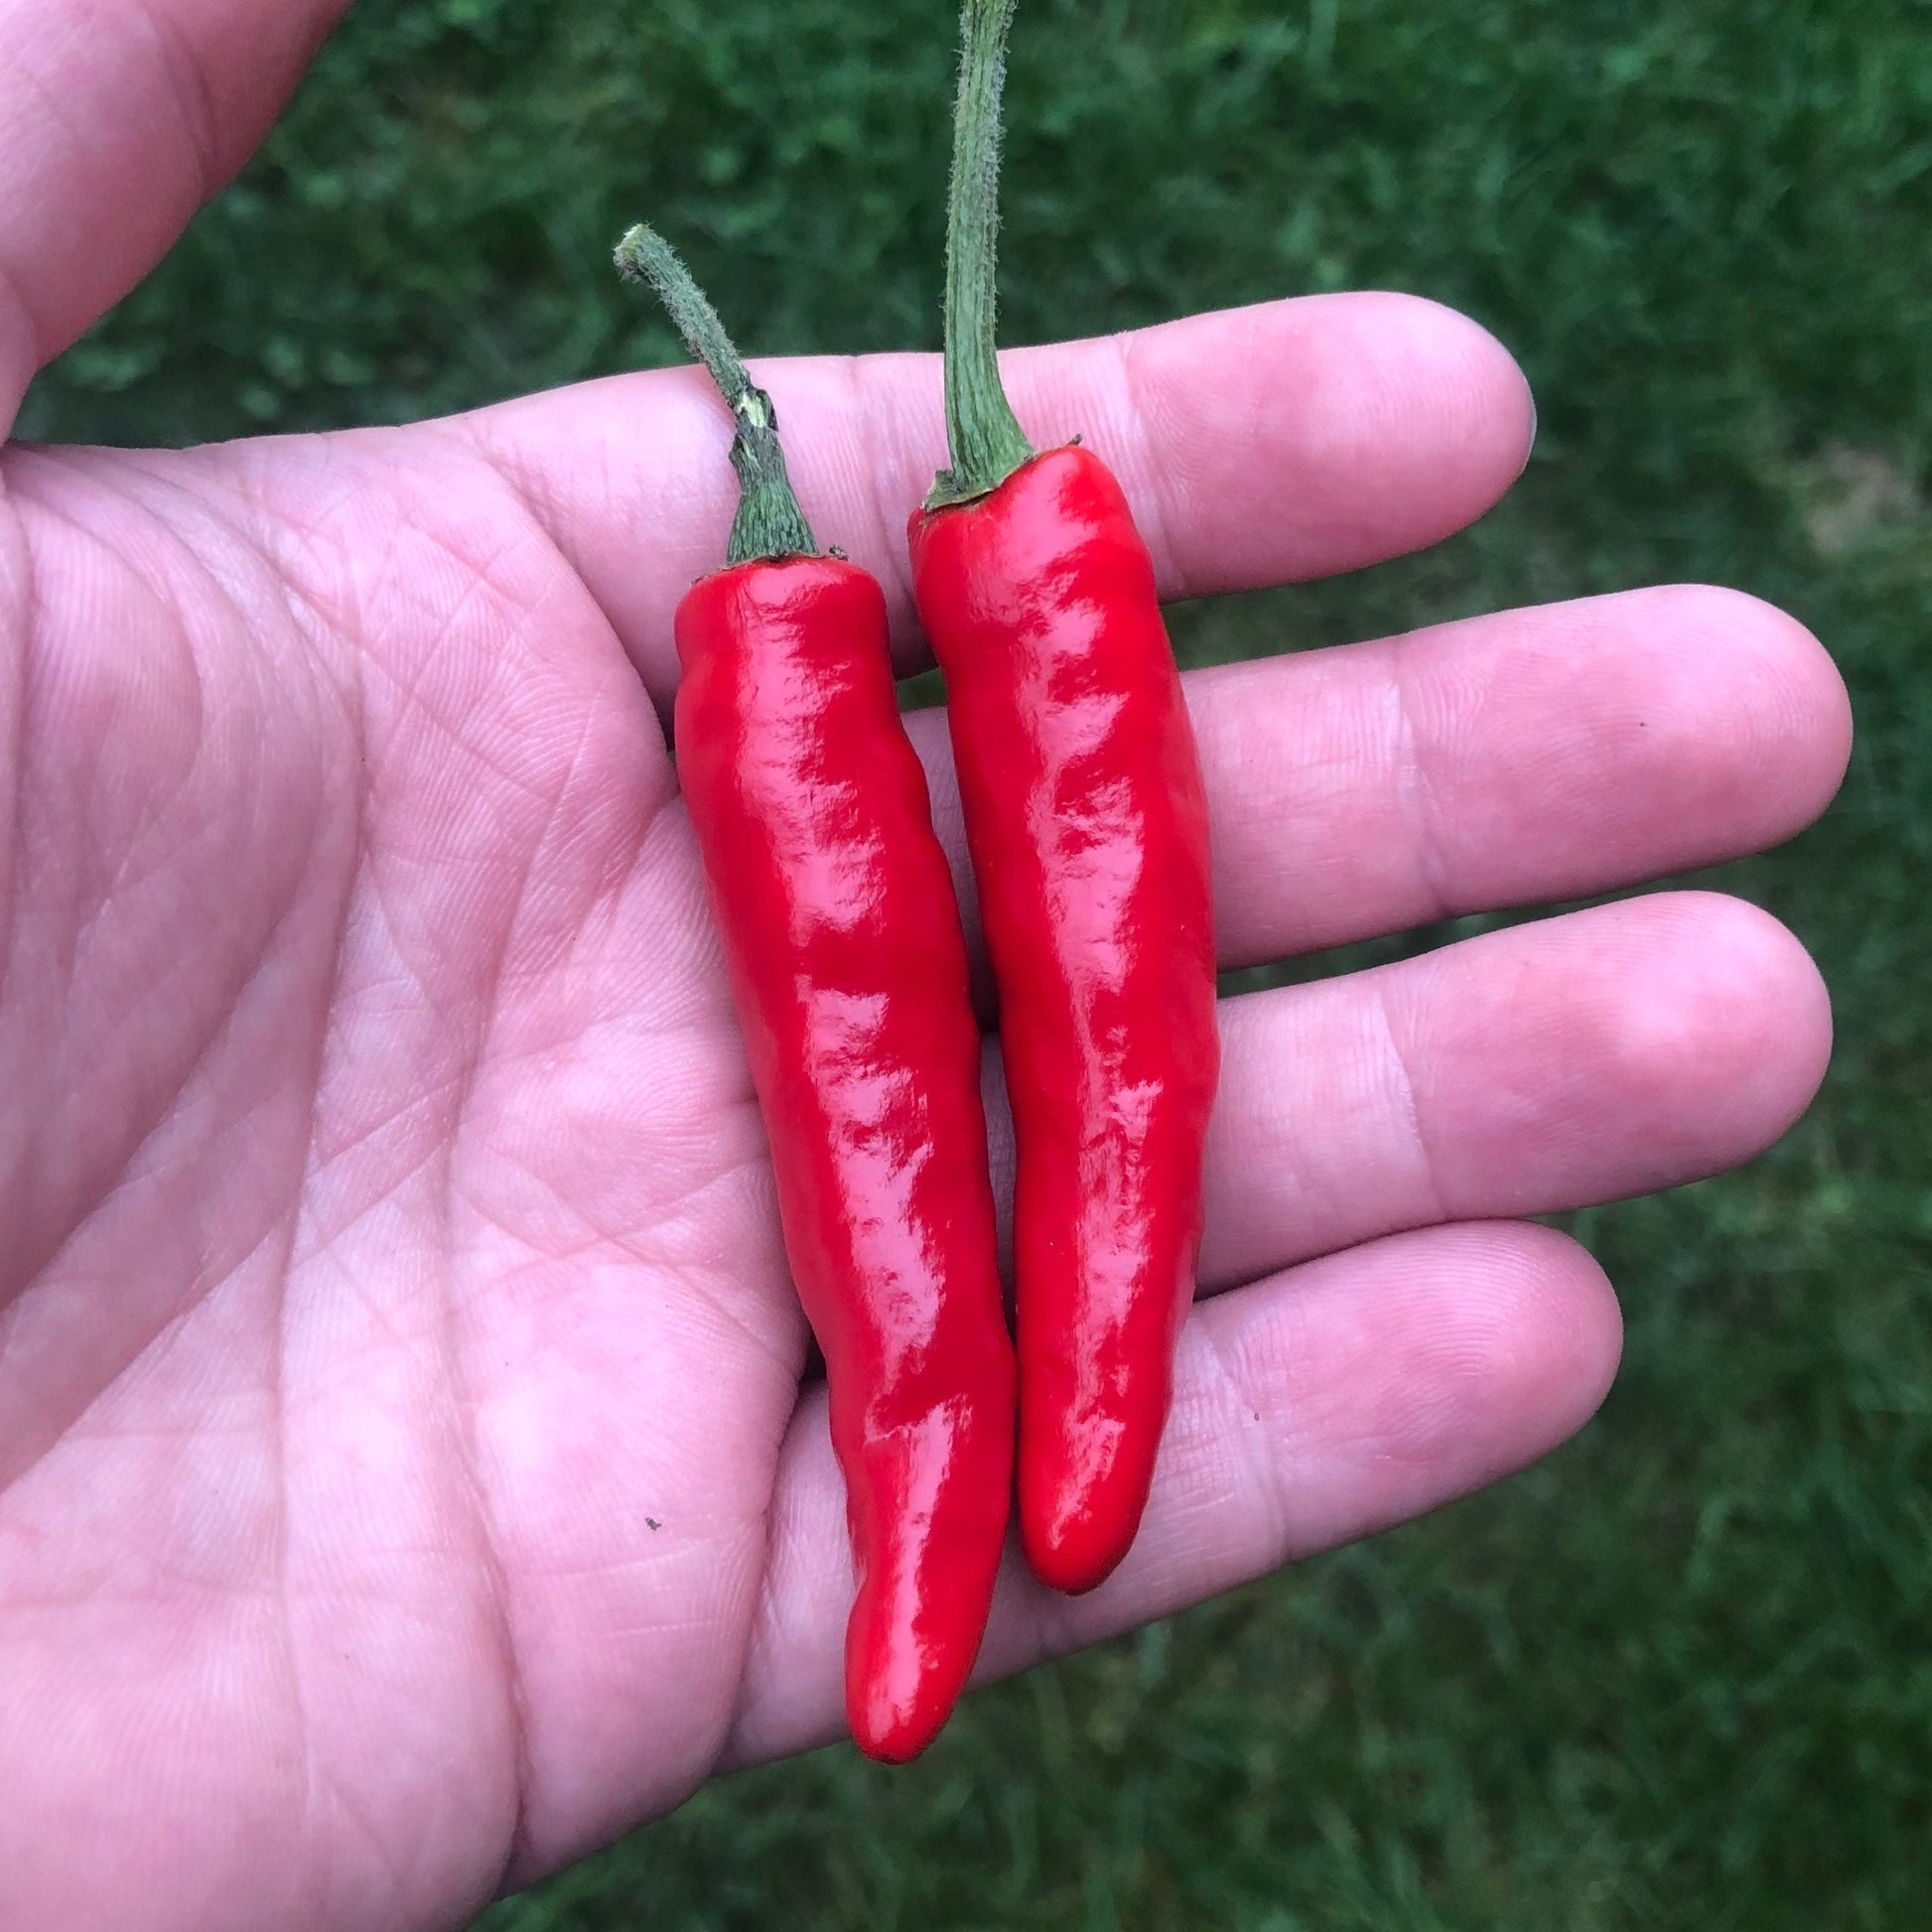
848,966
1088,832
849,971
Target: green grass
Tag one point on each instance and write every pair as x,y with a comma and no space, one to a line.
1679,1676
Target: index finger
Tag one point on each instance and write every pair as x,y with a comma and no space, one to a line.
1256,446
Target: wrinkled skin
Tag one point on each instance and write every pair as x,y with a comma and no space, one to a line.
404,1477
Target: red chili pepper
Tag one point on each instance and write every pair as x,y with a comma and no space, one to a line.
1088,831
848,964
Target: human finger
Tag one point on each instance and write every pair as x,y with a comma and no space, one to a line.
1310,1409
1578,1059
121,120
1529,756
1256,446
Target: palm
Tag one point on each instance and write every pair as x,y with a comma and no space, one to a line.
394,1295
404,1481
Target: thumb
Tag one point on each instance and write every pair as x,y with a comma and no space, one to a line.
119,118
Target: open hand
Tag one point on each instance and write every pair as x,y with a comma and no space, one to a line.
405,1480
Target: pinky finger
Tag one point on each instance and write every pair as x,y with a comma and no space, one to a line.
1312,1408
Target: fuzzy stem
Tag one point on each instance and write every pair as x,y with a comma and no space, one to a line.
768,522
985,438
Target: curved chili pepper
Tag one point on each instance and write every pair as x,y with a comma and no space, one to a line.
848,965
1088,831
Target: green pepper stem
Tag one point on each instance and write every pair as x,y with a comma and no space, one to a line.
768,522
984,436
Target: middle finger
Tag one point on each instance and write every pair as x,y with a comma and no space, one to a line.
1539,754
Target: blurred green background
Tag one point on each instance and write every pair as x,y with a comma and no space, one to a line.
1679,1674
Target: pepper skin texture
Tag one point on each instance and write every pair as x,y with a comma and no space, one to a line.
1088,832
846,958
